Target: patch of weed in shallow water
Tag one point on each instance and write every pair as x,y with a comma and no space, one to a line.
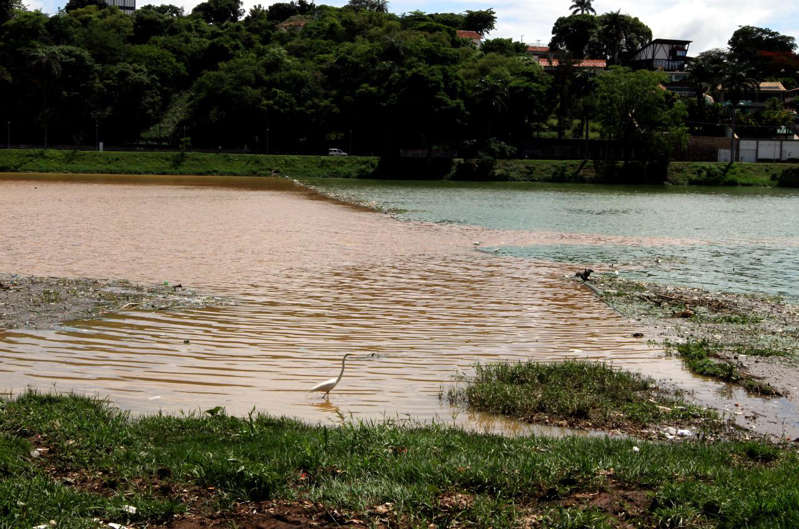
584,394
701,358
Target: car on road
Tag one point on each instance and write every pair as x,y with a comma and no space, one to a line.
334,151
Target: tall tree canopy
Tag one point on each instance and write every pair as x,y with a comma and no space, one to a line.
767,52
219,11
574,34
633,109
377,80
613,36
480,21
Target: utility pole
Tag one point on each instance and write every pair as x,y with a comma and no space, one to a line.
96,134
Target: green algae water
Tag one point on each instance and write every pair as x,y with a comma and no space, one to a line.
737,239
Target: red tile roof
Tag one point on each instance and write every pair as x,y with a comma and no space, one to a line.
296,21
585,63
538,49
468,34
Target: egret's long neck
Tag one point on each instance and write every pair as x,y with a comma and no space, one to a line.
341,373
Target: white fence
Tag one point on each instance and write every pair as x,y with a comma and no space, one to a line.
773,150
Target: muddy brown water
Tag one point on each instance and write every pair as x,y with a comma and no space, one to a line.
310,279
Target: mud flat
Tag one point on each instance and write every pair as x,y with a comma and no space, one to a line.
30,302
747,340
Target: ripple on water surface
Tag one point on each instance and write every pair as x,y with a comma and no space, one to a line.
311,280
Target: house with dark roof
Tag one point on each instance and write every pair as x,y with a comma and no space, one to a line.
669,56
666,55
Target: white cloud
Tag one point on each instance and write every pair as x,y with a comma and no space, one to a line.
708,23
34,5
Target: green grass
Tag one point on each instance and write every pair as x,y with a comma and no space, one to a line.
544,171
740,174
700,358
189,163
134,460
195,163
577,393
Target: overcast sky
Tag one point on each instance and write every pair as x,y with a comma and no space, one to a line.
708,23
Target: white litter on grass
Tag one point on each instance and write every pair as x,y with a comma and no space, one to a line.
35,453
685,433
117,526
636,449
129,509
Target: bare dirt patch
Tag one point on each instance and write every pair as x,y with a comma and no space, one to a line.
273,515
30,302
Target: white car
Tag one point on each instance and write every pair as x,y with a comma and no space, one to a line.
333,151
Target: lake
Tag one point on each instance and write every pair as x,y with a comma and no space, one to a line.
309,279
737,239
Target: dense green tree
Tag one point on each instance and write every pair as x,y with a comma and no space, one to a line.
80,4
8,8
480,21
219,11
766,53
378,6
358,77
620,36
633,109
504,47
574,34
747,41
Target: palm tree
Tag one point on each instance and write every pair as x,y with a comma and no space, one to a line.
582,7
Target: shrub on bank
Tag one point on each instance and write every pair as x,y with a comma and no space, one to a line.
789,178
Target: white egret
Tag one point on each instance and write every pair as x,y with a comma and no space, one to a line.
328,385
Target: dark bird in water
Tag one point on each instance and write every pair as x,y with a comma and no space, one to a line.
584,274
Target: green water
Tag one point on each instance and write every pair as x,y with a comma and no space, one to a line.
740,239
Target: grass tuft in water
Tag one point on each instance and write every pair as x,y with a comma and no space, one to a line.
577,393
700,358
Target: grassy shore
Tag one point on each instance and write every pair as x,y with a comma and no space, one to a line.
679,173
189,163
195,163
82,464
